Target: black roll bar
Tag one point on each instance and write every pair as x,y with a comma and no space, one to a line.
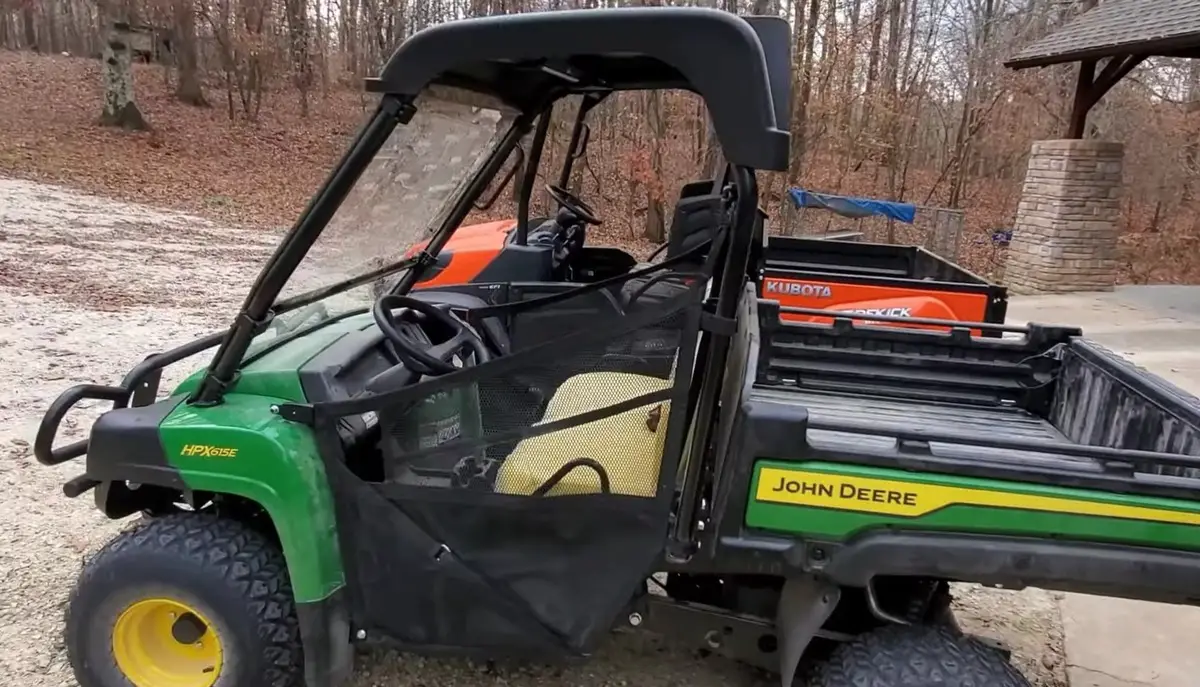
138,388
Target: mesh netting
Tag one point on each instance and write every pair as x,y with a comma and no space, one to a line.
580,405
526,497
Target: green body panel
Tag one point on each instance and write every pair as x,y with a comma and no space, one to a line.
1139,521
276,373
275,464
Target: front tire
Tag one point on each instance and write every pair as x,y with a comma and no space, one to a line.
916,656
187,600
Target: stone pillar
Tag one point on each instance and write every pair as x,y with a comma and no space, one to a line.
1065,235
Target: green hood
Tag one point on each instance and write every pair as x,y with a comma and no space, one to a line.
276,373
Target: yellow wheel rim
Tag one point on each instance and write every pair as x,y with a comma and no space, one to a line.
165,643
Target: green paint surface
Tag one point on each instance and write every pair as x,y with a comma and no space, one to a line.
276,373
828,523
277,466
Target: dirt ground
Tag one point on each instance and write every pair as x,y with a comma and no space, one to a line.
88,287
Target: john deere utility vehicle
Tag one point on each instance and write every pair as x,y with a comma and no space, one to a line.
515,468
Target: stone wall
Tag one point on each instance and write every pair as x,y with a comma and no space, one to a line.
1065,235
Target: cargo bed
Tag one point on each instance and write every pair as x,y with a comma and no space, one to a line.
844,275
1037,404
1032,457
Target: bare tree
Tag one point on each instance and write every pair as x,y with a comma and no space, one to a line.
120,110
804,78
189,88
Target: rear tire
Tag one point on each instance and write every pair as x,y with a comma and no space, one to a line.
941,612
227,581
915,656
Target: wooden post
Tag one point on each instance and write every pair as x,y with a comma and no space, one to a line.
119,108
1091,87
1083,99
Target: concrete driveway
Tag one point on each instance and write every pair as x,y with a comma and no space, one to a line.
1114,642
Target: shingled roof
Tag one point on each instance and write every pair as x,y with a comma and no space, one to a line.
1118,28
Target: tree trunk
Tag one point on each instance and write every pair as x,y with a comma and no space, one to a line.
52,38
189,89
321,48
907,77
713,157
120,110
891,73
28,26
252,81
655,230
872,65
805,77
349,35
829,42
848,82
297,21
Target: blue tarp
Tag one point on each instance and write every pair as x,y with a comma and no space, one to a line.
849,206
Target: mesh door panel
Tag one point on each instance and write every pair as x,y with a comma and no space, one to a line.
588,416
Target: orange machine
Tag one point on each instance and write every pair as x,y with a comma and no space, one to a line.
471,249
820,274
872,299
875,279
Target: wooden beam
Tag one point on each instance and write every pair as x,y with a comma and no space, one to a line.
1091,87
1081,104
1190,53
1116,69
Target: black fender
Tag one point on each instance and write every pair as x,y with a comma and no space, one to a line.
805,603
1135,572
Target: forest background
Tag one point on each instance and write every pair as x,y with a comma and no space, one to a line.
249,102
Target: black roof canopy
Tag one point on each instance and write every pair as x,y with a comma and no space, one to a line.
740,66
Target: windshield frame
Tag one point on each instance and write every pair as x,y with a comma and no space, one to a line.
260,305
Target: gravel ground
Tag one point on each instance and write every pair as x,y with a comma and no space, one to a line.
88,287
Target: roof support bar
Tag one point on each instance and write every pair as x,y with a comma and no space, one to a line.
1091,87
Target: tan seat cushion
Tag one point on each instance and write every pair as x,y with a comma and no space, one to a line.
628,445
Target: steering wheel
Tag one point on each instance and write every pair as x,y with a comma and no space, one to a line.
572,202
421,356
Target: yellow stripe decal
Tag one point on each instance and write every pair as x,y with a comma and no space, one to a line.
914,499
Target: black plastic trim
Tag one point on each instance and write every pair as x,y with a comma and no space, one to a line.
735,65
778,431
518,263
1171,398
325,632
321,377
126,445
1017,562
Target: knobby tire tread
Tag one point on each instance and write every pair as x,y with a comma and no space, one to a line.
917,656
243,559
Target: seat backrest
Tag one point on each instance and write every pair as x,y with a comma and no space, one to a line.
697,215
628,446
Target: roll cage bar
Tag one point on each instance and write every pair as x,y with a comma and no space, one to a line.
740,66
530,162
